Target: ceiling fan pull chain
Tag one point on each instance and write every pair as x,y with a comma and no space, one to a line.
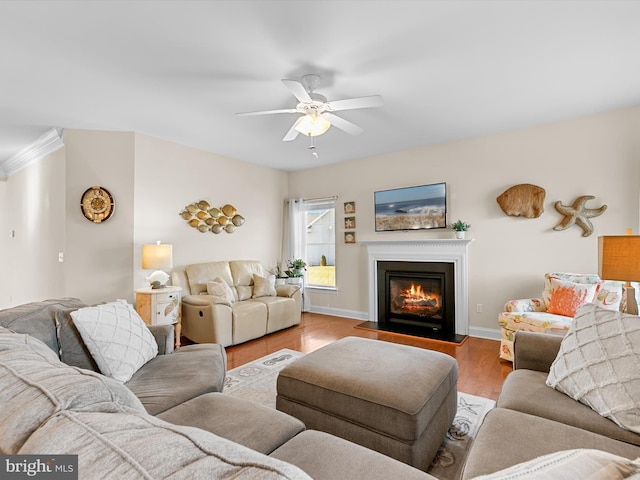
312,148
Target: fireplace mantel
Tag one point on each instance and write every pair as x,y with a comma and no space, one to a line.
432,250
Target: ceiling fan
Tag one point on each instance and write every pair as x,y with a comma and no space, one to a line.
316,113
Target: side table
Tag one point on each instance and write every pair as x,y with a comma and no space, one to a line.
300,282
160,306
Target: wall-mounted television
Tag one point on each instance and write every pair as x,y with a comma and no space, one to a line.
411,208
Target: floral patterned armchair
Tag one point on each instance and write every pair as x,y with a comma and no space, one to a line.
562,295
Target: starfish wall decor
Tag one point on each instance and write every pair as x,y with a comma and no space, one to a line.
579,214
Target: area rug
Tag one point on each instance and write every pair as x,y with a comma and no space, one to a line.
256,381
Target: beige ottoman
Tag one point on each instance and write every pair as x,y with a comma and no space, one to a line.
395,399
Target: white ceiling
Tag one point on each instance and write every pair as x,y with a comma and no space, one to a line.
180,70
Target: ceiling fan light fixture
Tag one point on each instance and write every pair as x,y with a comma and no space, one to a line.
311,125
316,114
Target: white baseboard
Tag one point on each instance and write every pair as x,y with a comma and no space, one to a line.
338,312
483,332
480,332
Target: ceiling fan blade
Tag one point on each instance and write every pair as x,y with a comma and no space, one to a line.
292,133
343,124
298,90
360,102
267,112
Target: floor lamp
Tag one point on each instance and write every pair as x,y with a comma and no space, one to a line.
619,259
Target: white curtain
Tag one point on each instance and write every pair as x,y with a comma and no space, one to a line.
297,243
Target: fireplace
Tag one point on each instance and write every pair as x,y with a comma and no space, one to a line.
416,296
434,265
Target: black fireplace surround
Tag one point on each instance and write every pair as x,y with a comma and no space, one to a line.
432,313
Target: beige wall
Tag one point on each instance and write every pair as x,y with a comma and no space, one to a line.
32,205
98,257
597,155
152,180
4,244
171,176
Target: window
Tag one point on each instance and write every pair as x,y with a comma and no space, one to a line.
320,221
317,241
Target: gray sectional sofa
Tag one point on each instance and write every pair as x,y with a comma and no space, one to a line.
532,419
169,420
171,378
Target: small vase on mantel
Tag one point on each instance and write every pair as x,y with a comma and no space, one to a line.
460,235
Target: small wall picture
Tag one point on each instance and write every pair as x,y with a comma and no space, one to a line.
349,223
349,237
349,208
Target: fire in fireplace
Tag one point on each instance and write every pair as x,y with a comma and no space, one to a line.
417,297
420,298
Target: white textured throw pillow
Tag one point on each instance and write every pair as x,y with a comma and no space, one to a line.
263,286
116,337
571,465
220,291
599,364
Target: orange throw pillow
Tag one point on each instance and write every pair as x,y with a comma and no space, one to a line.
568,297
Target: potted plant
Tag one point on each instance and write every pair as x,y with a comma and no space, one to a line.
296,266
279,274
460,227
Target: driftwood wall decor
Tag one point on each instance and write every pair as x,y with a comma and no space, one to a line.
579,214
524,200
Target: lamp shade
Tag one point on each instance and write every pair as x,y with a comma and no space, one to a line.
619,258
157,257
312,125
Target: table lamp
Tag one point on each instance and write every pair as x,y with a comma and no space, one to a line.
619,259
157,257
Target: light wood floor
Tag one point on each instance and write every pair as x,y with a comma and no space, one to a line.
481,372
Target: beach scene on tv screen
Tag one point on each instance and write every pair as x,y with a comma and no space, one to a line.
411,208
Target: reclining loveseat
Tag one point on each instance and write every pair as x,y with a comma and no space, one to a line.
252,306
